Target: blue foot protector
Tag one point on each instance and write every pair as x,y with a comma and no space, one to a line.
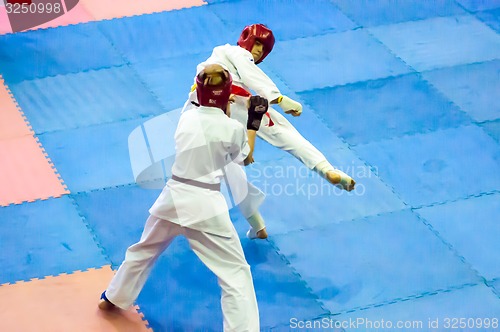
426,169
384,12
329,54
310,17
182,294
386,108
49,52
45,238
431,44
84,99
92,157
471,227
476,306
167,34
373,260
472,87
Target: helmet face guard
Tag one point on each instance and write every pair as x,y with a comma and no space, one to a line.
259,32
213,87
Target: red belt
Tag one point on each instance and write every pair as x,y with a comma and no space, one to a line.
239,91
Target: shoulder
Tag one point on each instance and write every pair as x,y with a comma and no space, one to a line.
235,51
233,126
236,124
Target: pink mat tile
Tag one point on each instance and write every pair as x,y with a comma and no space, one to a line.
76,15
12,122
67,302
27,174
109,9
94,10
4,21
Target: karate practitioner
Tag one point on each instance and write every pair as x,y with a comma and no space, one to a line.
255,43
191,204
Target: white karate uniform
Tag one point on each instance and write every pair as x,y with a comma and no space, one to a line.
275,128
206,140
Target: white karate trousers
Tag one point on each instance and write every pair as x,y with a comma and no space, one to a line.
279,132
222,255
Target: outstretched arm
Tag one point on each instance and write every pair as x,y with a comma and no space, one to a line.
257,107
251,142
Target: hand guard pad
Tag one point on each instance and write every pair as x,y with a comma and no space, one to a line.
257,107
289,105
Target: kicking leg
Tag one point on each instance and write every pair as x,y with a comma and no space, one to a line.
279,132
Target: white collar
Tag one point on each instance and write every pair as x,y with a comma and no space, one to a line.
210,110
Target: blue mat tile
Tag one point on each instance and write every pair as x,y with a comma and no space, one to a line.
382,12
196,292
472,87
298,198
491,18
84,99
309,17
373,260
431,43
116,216
182,294
496,286
170,80
49,52
308,124
439,166
475,5
374,110
45,238
476,306
493,129
333,59
166,34
311,128
92,157
471,227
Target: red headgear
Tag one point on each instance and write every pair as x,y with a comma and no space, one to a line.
213,87
257,32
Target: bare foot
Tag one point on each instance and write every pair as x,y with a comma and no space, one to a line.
262,234
335,179
252,235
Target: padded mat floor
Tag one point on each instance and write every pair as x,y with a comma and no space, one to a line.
402,95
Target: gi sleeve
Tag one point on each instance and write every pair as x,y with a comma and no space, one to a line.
251,75
240,148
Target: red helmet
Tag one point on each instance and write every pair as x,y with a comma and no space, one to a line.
213,87
257,32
